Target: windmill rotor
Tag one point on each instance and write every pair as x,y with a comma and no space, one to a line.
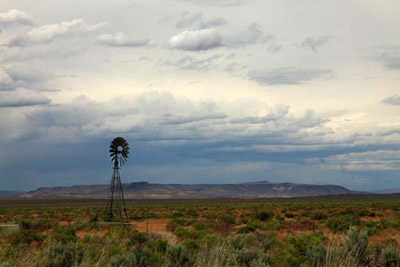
119,151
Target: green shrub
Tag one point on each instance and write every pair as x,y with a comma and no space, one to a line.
182,233
124,260
356,244
137,239
191,245
25,236
264,215
266,240
289,215
65,235
178,256
245,229
316,255
296,250
245,257
342,223
390,257
241,241
319,216
64,255
176,222
160,245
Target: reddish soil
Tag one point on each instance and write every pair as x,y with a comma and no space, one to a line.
154,226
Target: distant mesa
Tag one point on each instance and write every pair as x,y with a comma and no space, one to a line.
10,193
145,190
257,182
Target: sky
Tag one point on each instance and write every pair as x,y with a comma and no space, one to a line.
204,91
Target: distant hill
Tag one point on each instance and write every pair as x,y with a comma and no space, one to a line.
10,193
144,190
387,191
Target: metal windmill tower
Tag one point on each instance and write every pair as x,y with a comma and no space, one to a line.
116,208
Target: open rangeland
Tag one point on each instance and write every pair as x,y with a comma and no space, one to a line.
361,230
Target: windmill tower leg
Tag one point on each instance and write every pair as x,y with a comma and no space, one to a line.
116,202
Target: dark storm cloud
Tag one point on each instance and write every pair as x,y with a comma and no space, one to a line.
393,100
290,76
179,133
174,119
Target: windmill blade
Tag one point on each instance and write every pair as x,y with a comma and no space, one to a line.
119,156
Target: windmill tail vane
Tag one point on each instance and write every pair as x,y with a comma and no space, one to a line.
115,207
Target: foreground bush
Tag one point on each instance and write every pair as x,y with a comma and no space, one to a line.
342,223
64,255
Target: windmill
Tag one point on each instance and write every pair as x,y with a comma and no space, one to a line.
116,208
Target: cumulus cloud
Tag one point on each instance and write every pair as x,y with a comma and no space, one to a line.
274,114
393,100
206,39
188,19
14,17
190,63
253,34
22,76
219,3
174,119
380,160
290,76
22,98
120,39
196,40
48,33
314,44
390,57
6,82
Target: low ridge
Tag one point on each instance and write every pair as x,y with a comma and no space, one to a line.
144,190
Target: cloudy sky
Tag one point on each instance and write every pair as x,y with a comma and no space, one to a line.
205,91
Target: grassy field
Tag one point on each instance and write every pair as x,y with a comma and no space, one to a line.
359,230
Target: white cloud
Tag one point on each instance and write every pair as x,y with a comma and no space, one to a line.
188,19
120,39
287,76
393,100
366,161
190,63
14,17
6,82
314,44
196,40
253,34
48,33
22,98
391,57
206,39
